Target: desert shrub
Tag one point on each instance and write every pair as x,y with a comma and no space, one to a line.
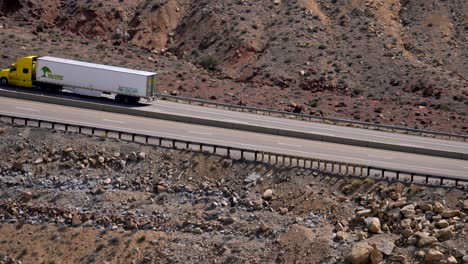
313,103
322,47
209,63
114,241
356,183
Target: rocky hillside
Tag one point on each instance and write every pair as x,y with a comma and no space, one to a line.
396,62
67,198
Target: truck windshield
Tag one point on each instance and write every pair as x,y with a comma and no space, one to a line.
13,68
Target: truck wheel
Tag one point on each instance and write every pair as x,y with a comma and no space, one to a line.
127,99
4,81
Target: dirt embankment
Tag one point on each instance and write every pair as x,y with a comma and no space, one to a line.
394,62
68,198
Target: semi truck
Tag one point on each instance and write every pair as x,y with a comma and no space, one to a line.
51,73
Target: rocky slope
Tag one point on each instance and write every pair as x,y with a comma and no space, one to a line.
396,62
67,198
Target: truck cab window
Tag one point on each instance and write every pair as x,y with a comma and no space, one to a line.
25,70
13,68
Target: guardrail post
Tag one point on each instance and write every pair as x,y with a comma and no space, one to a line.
256,154
354,169
173,143
361,174
456,183
412,177
441,180
214,149
427,179
242,153
383,173
398,175
347,169
133,137
333,166
147,139
201,147
53,126
269,157
368,171
39,123
339,167
160,142
229,152
187,145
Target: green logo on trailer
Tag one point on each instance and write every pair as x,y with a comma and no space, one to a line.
47,73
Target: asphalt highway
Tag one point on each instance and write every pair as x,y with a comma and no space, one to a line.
285,145
308,127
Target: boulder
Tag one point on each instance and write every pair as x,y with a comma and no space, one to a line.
132,157
433,255
68,150
268,194
361,235
438,207
141,155
442,224
425,239
450,213
384,242
394,195
364,213
76,220
444,233
407,232
451,260
373,224
426,207
26,196
376,256
360,253
342,236
408,211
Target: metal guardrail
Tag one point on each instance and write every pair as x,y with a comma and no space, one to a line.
319,119
326,166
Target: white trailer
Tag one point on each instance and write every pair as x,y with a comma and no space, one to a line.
94,79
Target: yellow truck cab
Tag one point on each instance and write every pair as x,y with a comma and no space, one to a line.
22,73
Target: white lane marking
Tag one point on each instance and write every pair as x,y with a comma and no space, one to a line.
250,145
377,156
289,145
201,133
411,145
113,121
28,109
315,126
235,121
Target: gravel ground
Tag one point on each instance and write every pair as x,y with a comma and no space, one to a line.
68,198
